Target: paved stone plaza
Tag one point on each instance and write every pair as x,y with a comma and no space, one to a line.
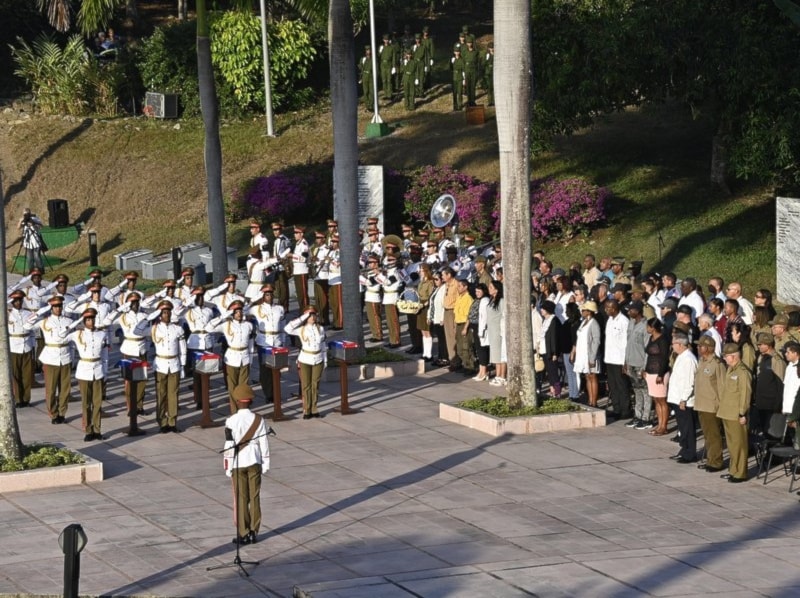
392,502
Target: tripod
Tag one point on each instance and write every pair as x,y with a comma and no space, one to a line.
30,233
237,560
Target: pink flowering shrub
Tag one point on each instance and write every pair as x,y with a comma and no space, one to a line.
562,209
282,195
474,199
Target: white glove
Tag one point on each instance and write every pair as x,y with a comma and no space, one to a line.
181,373
43,310
452,60
431,61
229,472
394,71
264,468
124,308
416,81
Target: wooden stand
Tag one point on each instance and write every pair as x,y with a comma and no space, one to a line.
277,412
476,115
344,407
202,383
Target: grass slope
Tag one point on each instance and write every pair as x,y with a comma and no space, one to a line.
140,183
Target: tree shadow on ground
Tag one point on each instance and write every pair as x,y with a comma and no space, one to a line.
20,186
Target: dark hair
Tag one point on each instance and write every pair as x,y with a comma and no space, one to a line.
655,324
717,302
734,303
794,318
495,301
744,331
482,287
573,312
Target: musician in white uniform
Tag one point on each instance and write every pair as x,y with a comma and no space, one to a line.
300,257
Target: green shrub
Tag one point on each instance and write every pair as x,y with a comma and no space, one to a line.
499,407
67,80
37,456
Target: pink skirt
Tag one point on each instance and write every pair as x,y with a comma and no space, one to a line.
657,391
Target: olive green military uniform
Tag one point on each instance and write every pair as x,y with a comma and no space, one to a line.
418,53
427,67
388,61
734,402
488,73
708,382
365,75
410,70
471,58
457,67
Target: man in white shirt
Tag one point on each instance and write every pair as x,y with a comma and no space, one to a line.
745,307
615,348
680,395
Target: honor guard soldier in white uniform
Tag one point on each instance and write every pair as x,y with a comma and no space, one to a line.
95,277
322,274
186,286
312,358
269,333
56,358
238,334
196,317
372,298
91,344
35,298
169,362
391,283
281,251
247,431
300,257
167,293
257,238
134,325
22,344
61,289
225,294
126,287
335,285
259,265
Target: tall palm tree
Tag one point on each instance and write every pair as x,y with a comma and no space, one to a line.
512,75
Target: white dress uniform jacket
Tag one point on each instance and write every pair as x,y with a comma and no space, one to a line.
57,350
269,324
197,318
239,338
20,324
170,348
254,452
314,349
90,345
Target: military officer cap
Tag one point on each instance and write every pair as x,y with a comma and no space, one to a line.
300,229
386,37
169,284
470,39
423,233
96,273
57,300
134,296
426,29
779,320
319,235
464,30
335,239
310,310
236,305
230,278
706,341
95,287
618,261
456,48
62,278
164,305
89,313
481,259
407,51
367,48
730,349
198,291
243,394
255,224
187,271
35,271
131,275
417,36
765,338
267,288
17,295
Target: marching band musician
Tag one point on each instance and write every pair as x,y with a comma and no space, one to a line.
168,365
269,333
335,284
281,250
442,243
21,344
134,325
432,255
91,344
321,274
412,271
312,358
300,255
257,238
372,298
391,283
333,229
56,358
373,244
258,265
238,334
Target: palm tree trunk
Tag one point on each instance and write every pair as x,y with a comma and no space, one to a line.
345,157
10,441
512,74
212,146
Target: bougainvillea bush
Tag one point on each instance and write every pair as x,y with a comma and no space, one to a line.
563,209
274,196
474,199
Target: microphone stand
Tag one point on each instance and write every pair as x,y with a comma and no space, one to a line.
237,560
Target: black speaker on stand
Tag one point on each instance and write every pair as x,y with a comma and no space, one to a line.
58,211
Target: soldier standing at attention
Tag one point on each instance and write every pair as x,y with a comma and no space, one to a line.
365,78
388,68
410,69
488,73
90,343
734,405
170,360
56,358
457,67
418,52
427,67
22,344
471,69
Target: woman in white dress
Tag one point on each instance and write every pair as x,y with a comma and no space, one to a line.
495,323
585,354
